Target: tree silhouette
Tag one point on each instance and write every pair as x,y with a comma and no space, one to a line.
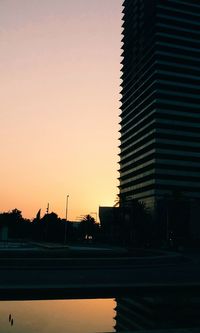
88,228
135,223
18,227
52,228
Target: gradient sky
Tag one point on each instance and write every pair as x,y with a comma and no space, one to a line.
59,100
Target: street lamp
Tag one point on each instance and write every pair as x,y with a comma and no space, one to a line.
67,198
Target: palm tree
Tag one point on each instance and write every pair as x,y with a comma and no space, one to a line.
88,227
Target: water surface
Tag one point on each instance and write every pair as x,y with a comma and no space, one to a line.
57,316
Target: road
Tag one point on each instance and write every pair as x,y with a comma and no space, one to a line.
64,278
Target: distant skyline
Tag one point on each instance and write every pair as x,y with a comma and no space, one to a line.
59,99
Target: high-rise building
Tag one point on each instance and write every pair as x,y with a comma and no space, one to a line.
160,111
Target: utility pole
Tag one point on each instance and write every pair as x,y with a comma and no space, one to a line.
67,199
47,211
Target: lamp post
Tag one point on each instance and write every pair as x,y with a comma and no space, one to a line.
67,198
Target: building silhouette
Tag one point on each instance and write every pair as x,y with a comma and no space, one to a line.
160,110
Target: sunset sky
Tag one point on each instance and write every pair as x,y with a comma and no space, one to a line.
59,100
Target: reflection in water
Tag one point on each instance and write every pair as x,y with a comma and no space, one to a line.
158,312
61,316
101,315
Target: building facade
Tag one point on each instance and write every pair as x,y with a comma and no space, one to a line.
160,110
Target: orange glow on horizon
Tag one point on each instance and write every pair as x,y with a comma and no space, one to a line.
60,69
